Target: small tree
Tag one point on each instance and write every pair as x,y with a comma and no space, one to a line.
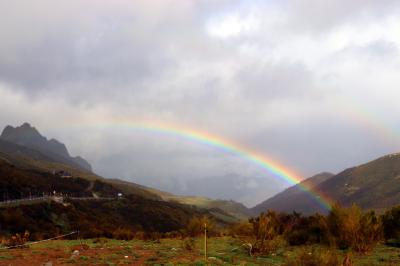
195,226
241,230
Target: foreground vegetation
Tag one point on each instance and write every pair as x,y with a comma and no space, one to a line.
222,251
345,237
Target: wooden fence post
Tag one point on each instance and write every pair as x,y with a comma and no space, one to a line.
205,241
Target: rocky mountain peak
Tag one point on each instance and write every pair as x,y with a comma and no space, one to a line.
28,136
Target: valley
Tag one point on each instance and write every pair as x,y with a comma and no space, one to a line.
119,222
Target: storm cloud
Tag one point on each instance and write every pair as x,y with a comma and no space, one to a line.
311,84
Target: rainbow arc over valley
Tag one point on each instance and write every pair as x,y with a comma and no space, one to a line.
205,138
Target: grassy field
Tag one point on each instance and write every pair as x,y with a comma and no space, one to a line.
222,251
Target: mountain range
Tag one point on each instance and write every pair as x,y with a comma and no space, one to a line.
373,185
26,149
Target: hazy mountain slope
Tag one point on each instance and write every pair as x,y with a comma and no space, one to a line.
11,149
294,198
231,208
230,186
28,136
373,185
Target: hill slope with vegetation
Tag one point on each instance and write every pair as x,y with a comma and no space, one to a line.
102,217
373,185
28,167
294,198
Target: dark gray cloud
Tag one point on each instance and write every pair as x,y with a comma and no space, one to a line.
87,48
311,84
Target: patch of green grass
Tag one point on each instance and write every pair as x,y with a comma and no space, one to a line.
199,263
381,255
6,256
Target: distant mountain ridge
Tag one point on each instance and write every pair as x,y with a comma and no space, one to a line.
232,209
28,136
373,186
246,189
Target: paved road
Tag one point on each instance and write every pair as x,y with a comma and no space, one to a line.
36,200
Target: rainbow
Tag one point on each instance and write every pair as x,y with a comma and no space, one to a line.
371,121
223,144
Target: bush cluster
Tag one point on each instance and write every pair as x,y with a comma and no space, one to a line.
351,228
344,228
391,226
17,240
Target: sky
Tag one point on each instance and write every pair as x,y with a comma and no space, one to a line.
311,84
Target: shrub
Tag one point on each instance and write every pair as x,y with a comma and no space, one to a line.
173,234
189,244
154,236
318,230
243,229
140,235
265,231
37,236
123,234
91,232
315,257
300,230
17,240
391,226
297,237
351,228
